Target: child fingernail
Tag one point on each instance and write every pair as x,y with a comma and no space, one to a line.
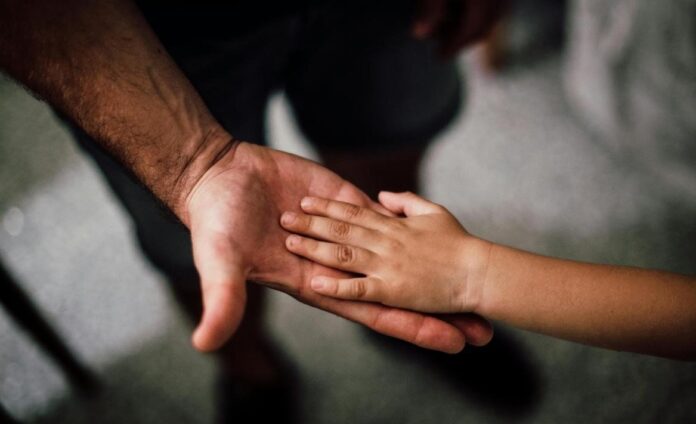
306,202
293,240
288,218
317,283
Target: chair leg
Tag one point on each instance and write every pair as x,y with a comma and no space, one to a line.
26,314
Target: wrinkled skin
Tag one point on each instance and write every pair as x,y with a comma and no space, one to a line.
233,215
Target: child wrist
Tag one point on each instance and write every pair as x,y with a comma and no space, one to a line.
475,258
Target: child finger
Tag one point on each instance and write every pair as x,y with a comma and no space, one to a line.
365,289
328,229
339,256
344,212
408,204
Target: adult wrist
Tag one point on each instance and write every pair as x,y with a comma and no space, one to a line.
212,147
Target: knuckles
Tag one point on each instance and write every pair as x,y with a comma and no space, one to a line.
345,254
351,212
358,289
340,230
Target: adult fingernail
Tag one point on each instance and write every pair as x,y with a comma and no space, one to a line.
288,218
317,283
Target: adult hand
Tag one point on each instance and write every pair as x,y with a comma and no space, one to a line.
455,23
233,213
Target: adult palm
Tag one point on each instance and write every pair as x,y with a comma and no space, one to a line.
233,214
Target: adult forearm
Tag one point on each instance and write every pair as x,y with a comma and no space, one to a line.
616,307
100,64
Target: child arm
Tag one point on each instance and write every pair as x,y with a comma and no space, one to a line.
428,262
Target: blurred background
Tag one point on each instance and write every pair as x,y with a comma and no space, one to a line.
577,139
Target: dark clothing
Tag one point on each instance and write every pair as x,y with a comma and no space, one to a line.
355,78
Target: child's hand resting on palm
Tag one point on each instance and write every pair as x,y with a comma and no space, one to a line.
426,261
423,260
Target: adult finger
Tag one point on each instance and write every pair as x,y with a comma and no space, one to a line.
413,327
408,204
478,330
351,194
474,21
429,17
223,285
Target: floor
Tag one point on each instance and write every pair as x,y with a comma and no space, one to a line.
516,167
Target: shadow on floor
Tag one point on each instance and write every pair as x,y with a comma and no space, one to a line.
159,384
501,376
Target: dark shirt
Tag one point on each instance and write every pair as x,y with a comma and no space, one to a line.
185,19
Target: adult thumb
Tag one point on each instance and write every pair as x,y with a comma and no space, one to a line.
223,285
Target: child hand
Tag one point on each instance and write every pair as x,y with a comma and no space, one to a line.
425,261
